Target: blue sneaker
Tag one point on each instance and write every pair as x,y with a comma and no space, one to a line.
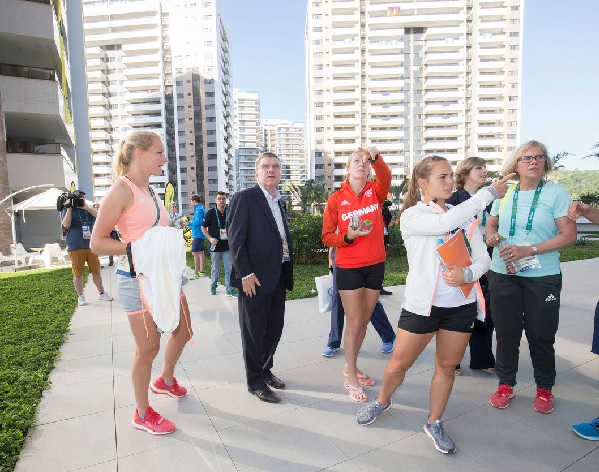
328,351
386,348
588,431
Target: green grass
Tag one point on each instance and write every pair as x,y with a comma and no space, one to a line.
36,309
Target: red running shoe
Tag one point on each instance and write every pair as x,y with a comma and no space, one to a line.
543,401
175,390
153,423
501,398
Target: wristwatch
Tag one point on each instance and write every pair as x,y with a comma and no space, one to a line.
535,250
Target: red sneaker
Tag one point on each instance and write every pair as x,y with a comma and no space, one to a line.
153,423
543,401
501,398
175,390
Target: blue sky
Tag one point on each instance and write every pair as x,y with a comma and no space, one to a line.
560,97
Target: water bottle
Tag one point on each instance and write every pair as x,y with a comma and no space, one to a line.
213,246
355,220
510,267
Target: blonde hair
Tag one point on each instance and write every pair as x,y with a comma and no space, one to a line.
511,164
422,170
464,167
136,140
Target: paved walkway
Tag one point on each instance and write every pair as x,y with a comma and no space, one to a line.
84,420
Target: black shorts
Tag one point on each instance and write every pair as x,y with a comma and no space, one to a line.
197,245
460,319
361,277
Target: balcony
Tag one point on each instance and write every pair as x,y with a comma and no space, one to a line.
443,45
442,132
98,112
95,64
143,60
443,82
142,72
444,108
145,96
26,170
444,57
97,100
145,120
144,108
141,48
99,135
100,147
438,95
96,88
34,109
101,158
139,85
439,145
99,123
492,26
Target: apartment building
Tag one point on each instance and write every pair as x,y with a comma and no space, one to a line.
200,46
286,139
145,61
37,142
125,79
413,78
247,136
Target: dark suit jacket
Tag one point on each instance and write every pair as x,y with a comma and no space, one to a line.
255,242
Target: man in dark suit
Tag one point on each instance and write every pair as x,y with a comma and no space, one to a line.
262,253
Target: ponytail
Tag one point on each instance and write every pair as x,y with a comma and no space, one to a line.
136,140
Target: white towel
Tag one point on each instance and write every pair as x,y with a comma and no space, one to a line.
159,261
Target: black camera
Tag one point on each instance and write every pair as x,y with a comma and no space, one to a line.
68,200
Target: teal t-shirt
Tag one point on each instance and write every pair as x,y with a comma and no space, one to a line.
553,203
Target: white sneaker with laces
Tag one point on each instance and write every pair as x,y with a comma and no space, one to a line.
106,297
81,300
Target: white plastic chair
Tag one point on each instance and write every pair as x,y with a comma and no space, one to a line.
51,252
23,256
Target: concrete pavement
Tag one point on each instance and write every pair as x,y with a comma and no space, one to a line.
84,419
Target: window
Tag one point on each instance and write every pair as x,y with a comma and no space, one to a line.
513,98
179,95
319,117
181,133
514,34
511,136
514,47
180,108
515,7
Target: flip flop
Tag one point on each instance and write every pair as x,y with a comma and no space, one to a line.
458,372
490,370
363,379
355,393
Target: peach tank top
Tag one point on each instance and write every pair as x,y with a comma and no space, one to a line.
141,216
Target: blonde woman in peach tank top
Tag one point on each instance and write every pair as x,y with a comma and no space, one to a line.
131,206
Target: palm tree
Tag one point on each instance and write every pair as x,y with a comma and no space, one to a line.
308,195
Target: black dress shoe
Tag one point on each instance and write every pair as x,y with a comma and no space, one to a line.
266,394
386,292
273,381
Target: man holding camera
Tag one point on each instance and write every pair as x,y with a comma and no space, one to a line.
78,220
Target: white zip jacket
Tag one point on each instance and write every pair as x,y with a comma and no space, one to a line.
421,226
159,260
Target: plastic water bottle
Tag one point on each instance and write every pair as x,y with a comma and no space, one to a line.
355,220
510,266
213,246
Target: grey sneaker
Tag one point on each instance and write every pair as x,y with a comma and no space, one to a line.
368,413
435,431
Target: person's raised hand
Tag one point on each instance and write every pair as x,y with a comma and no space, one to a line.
501,185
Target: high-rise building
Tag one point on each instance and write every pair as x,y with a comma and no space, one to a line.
126,79
247,137
200,46
413,78
286,139
37,143
163,66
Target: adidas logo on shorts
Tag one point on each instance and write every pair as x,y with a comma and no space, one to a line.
550,298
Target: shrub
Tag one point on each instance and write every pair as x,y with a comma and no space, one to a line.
306,231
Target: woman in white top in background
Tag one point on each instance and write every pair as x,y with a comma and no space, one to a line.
433,303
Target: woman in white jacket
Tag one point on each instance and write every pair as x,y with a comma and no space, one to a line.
433,303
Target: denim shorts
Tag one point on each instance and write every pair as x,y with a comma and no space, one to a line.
128,293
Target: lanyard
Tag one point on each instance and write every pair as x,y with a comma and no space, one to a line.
83,222
218,218
531,212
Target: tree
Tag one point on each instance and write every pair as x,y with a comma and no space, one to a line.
397,191
595,153
558,157
308,195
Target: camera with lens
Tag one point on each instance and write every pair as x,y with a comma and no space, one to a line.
70,200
